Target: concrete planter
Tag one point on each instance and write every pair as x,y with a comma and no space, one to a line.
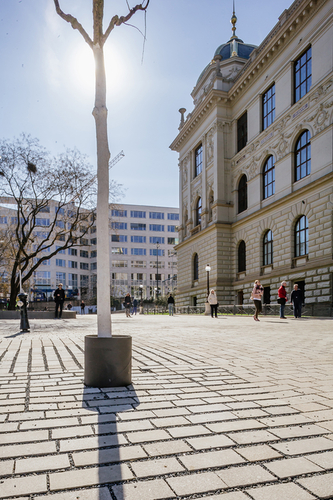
36,314
108,361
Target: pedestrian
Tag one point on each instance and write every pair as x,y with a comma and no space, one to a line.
282,298
69,306
82,305
59,298
256,295
135,306
171,304
296,298
212,299
127,303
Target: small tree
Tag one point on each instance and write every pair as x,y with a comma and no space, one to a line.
96,43
29,181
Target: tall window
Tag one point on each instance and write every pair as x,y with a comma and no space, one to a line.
268,248
242,132
241,257
269,177
268,107
196,267
303,156
198,209
198,160
242,194
301,236
303,75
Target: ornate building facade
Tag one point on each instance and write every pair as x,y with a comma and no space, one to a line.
255,165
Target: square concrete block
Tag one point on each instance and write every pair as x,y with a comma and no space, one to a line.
287,491
292,467
211,459
196,483
156,467
91,494
258,452
321,485
143,490
244,476
89,477
171,447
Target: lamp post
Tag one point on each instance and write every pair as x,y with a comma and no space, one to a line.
141,303
157,247
207,305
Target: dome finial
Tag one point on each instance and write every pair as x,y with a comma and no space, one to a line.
233,21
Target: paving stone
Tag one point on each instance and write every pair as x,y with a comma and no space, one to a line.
6,468
236,425
156,489
245,476
89,477
24,437
235,495
136,415
91,494
189,430
298,431
40,464
156,467
145,436
321,485
251,437
71,432
108,456
169,421
285,420
304,446
209,459
23,486
26,449
258,452
166,448
195,483
289,491
170,412
202,443
292,467
49,423
324,460
92,442
211,417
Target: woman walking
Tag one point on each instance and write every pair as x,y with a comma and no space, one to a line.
282,293
256,295
212,299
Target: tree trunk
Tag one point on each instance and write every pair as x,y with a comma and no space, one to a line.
103,156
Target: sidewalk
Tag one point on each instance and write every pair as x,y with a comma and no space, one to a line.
221,409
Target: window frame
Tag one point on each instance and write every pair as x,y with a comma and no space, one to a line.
269,184
268,248
268,115
195,267
298,152
242,131
241,251
198,211
298,65
242,194
299,239
198,155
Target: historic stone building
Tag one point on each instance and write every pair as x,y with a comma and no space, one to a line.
255,164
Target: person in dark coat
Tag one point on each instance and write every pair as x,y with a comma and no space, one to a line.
296,299
59,298
171,304
82,305
128,303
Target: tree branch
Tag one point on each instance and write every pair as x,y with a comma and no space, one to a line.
118,21
74,23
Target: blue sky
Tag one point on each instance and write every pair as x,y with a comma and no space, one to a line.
47,79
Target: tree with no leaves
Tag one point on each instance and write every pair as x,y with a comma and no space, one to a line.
96,43
47,201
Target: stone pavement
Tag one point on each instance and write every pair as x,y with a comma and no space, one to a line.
225,409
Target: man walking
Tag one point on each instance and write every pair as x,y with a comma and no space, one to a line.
296,299
171,304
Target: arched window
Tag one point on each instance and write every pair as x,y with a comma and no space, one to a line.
268,248
241,257
195,267
242,194
269,177
198,208
301,236
303,156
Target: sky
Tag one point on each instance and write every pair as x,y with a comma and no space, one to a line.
47,79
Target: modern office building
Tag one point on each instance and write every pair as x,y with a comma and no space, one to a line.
255,164
143,259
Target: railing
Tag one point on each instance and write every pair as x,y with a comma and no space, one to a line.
325,310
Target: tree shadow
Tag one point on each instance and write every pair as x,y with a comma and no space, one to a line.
109,444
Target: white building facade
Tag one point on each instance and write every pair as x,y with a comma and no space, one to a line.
255,165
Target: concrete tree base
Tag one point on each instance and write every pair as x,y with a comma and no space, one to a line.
108,361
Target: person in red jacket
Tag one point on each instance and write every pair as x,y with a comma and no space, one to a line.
282,293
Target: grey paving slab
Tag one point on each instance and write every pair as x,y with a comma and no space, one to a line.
321,485
245,476
196,483
145,490
89,477
289,491
91,494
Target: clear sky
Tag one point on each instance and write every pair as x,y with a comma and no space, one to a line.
47,79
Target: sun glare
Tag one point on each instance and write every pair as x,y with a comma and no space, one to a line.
82,68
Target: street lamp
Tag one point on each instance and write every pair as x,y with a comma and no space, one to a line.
157,247
141,303
208,269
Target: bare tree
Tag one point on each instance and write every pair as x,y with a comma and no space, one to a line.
29,181
103,155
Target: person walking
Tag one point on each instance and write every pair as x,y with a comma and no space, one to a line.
127,302
135,306
282,294
212,299
59,298
256,295
82,305
296,298
171,304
